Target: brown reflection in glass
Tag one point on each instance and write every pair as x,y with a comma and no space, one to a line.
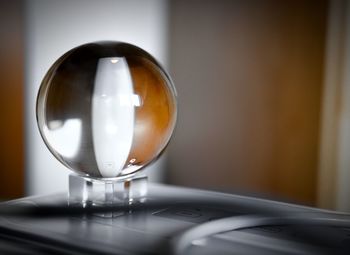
155,118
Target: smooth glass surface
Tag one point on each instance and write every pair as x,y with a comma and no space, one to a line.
106,109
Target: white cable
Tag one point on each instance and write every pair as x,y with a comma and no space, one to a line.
183,241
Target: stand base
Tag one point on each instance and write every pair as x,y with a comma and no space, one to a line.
85,191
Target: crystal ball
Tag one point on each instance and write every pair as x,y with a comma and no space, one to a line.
106,109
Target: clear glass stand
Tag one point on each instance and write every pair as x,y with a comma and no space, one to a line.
85,191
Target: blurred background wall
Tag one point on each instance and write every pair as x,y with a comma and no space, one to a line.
263,98
54,27
249,76
11,99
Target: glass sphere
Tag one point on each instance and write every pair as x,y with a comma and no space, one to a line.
106,109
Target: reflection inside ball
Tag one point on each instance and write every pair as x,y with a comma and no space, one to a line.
106,109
